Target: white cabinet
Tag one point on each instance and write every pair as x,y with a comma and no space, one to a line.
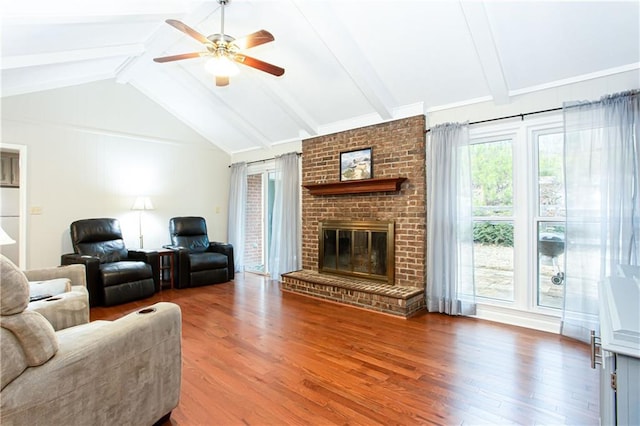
620,351
9,169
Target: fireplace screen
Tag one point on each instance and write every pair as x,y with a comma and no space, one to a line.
356,248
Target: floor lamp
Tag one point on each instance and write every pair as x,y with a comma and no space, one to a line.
141,203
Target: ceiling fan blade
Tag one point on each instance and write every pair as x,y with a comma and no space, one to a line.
188,30
258,64
222,81
254,39
179,57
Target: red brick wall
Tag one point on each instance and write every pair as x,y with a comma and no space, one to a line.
398,151
254,221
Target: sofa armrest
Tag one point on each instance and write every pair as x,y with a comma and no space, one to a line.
76,273
150,257
106,372
66,309
226,249
92,269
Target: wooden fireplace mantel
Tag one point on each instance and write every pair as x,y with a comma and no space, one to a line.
356,186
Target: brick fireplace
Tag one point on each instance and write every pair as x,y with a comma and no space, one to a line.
398,155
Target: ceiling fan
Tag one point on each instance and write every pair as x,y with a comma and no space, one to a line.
223,50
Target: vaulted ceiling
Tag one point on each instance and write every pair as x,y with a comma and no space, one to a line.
345,60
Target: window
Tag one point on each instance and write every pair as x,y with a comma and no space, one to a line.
550,218
492,180
518,208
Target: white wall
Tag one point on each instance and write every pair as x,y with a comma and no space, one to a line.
93,148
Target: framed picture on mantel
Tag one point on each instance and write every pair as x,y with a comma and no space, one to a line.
356,165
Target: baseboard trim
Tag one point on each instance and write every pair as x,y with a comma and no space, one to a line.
533,320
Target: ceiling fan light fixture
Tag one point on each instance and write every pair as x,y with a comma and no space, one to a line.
221,66
223,51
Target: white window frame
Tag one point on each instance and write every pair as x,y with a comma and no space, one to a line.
523,311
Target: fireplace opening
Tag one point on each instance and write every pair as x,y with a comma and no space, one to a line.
362,249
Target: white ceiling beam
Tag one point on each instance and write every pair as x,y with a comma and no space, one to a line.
480,30
333,33
50,58
288,104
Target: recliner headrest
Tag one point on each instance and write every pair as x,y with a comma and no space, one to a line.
95,230
187,226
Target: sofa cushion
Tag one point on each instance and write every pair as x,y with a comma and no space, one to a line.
36,336
12,356
27,337
14,288
50,287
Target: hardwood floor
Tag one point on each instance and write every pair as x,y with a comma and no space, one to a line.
255,355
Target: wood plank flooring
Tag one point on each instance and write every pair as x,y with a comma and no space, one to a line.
255,355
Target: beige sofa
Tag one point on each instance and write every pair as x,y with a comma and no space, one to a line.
124,372
64,309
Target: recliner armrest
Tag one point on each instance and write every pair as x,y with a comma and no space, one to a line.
183,265
146,256
150,257
92,268
227,250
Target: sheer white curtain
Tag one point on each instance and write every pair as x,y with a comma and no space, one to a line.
286,242
602,159
237,212
450,286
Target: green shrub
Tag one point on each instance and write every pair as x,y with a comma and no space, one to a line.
500,234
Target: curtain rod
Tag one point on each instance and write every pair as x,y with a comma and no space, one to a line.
265,160
510,116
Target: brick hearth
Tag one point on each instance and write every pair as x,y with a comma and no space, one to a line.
394,300
398,150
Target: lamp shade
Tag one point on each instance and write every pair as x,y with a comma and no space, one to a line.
221,66
5,239
142,203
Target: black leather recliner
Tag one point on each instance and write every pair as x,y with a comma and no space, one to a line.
114,274
199,261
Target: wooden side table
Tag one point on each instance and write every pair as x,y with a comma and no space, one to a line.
165,257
